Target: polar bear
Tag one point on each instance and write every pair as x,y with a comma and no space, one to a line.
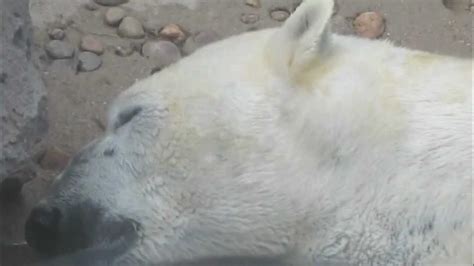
288,146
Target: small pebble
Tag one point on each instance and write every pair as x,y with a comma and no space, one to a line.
369,25
253,3
279,14
114,15
173,32
56,34
54,159
110,2
88,61
91,6
163,53
199,40
130,27
123,50
458,5
59,49
249,18
91,44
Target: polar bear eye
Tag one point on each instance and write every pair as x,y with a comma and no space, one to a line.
126,116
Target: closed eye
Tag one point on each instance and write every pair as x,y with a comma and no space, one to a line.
126,116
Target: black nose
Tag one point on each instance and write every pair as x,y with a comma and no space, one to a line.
41,229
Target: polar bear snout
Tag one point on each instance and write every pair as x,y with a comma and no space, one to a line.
82,209
42,228
54,228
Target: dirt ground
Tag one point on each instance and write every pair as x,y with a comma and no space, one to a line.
78,100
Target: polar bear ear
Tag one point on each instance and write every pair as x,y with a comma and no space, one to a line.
303,38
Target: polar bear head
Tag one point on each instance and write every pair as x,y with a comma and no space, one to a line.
194,164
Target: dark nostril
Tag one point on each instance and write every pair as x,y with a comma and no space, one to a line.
41,228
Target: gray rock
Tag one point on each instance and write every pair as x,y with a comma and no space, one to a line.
56,34
130,27
110,2
91,44
88,61
23,115
458,5
59,49
249,18
162,53
369,25
279,14
199,40
174,33
114,15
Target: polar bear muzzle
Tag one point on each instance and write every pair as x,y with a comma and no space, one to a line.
77,218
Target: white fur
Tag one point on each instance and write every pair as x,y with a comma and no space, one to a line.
306,146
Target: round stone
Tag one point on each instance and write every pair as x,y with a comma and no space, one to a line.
91,44
173,32
130,27
279,14
114,15
59,49
249,18
162,53
459,5
56,34
88,61
369,25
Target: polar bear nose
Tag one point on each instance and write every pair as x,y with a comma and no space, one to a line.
41,228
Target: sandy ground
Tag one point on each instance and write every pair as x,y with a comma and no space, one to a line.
78,100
